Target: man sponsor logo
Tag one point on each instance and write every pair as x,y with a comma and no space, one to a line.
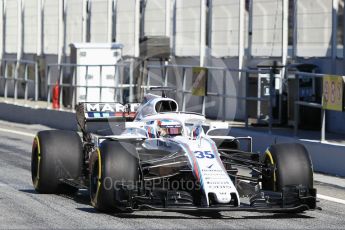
104,107
111,107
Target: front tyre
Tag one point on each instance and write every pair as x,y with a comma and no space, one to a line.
291,166
114,173
289,171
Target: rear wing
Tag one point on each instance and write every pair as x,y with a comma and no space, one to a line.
103,112
107,111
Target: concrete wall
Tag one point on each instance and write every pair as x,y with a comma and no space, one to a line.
52,118
313,21
101,12
125,25
75,17
50,27
1,26
30,27
267,28
154,23
314,28
224,28
11,33
187,32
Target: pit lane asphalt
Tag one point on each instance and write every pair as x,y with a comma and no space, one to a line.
22,208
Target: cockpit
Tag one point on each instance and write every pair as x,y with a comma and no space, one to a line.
168,128
164,128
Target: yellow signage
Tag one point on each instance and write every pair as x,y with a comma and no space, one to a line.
332,94
199,87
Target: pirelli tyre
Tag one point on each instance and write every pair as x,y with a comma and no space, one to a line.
114,173
290,166
56,155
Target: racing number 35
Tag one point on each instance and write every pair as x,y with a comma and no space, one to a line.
204,154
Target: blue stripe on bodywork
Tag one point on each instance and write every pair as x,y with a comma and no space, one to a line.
193,159
216,154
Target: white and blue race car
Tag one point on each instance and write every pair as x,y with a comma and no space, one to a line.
163,159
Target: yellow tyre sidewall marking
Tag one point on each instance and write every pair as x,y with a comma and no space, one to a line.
94,200
270,157
37,178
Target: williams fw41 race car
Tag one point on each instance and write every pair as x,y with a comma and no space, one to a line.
163,159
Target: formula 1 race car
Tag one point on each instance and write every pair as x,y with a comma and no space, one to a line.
163,159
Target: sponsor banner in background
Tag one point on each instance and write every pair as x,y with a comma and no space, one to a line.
199,87
332,94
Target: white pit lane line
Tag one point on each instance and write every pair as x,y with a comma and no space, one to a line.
17,132
320,196
329,198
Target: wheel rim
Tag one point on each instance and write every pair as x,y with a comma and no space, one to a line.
270,182
94,181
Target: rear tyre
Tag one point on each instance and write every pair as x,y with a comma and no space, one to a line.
55,155
291,166
114,172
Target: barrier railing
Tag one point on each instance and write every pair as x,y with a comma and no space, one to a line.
19,74
310,104
86,72
224,95
17,71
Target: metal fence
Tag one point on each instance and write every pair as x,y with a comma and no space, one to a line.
183,69
223,95
68,83
299,103
17,71
124,85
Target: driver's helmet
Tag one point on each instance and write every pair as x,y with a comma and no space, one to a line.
168,128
